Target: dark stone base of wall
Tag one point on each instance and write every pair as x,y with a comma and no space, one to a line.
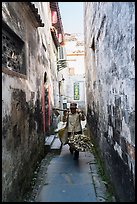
22,184
23,143
116,169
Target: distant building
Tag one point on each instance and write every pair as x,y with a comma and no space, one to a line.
74,74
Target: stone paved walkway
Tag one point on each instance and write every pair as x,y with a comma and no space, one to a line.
66,180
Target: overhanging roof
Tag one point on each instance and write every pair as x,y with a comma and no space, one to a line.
54,7
34,13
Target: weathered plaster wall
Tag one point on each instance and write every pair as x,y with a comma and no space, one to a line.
22,116
49,56
110,73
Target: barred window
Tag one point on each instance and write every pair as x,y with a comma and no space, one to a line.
13,50
61,53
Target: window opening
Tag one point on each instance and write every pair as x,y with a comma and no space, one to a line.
13,50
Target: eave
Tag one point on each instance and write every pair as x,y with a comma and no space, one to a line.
33,11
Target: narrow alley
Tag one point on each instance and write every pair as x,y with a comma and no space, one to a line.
59,178
68,101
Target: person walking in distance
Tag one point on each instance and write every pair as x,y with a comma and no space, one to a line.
74,125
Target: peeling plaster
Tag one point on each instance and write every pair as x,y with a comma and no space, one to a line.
125,131
118,149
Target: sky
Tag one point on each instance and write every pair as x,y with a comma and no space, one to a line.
72,16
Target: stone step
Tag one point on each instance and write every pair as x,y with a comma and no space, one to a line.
56,145
48,142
